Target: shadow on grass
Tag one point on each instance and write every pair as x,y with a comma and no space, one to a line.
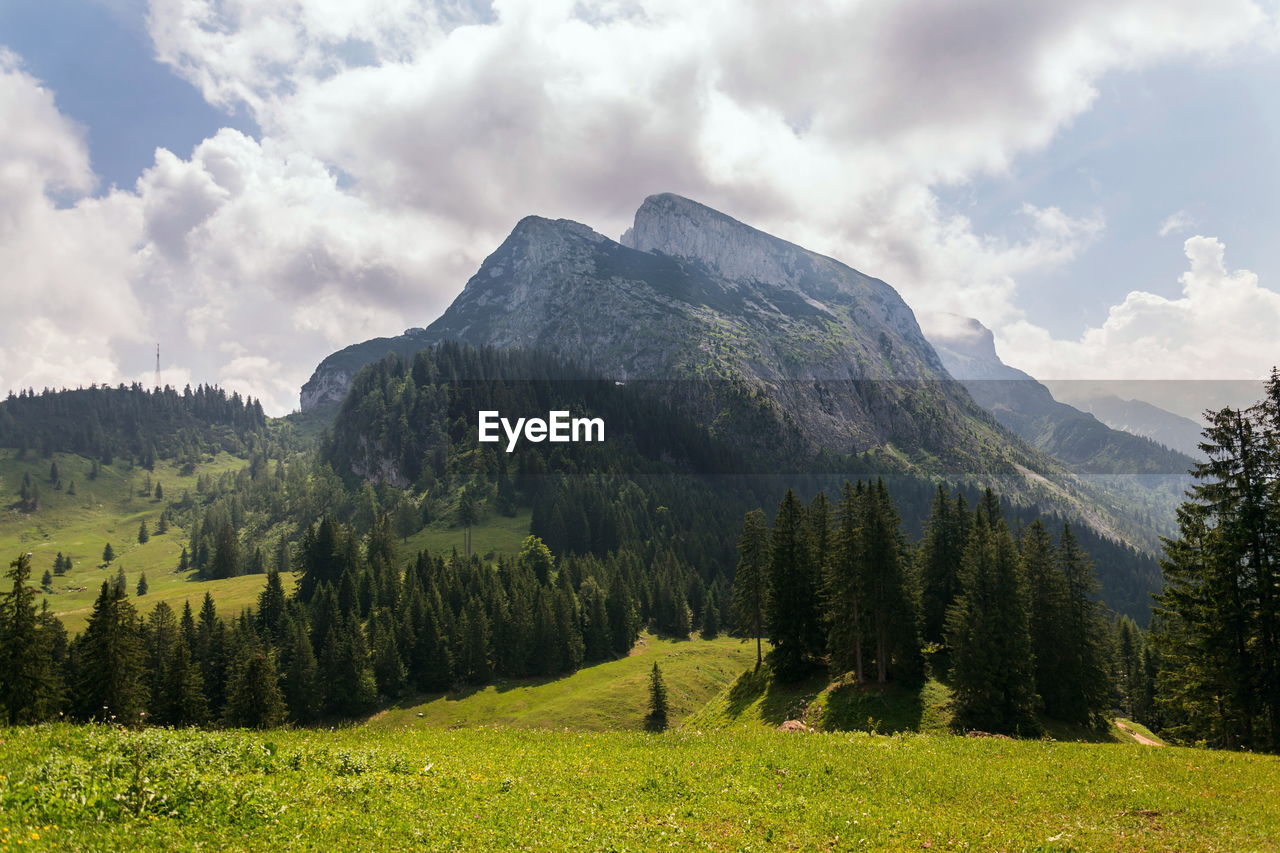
879,708
778,701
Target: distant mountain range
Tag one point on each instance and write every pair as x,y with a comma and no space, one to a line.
1027,408
1141,418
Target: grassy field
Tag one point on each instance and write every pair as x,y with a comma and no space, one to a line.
611,695
493,536
108,509
97,788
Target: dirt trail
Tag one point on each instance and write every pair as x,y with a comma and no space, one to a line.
1136,735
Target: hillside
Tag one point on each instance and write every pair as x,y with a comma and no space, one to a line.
108,509
604,696
100,788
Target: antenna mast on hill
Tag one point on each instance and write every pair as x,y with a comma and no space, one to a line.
157,367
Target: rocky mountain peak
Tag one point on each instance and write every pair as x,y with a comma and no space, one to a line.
682,228
965,340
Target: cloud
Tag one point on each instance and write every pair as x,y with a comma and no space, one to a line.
1175,222
1221,327
401,140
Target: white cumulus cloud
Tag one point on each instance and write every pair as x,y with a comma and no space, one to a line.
401,140
1223,326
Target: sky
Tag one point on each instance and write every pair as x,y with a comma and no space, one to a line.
254,184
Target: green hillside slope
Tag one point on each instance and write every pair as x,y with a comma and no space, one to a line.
107,508
610,695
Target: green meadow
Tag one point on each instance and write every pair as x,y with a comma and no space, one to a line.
108,509
66,787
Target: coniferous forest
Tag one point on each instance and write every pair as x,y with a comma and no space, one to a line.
664,531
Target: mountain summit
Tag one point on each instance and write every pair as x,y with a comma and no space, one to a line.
760,325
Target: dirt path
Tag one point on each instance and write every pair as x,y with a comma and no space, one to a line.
1136,735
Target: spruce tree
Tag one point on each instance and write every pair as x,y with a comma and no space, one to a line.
844,586
108,554
710,619
110,676
301,677
890,602
143,534
253,692
30,686
1218,618
143,586
184,700
941,554
793,615
992,670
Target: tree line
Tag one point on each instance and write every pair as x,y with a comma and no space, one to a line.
1009,620
357,629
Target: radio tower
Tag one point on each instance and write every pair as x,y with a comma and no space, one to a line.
157,367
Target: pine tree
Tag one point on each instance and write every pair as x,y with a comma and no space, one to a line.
30,686
108,554
301,677
793,615
844,585
162,525
159,492
46,580
121,583
143,534
992,670
143,586
657,718
184,561
253,692
110,676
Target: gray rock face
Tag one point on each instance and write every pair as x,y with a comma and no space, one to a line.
701,299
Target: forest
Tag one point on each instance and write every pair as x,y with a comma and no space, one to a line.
888,579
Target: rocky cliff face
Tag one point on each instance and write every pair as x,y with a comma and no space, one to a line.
715,313
742,329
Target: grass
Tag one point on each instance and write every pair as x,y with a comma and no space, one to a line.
104,510
612,695
68,787
495,535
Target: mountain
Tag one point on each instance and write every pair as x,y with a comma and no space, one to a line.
1028,409
731,321
1149,421
755,337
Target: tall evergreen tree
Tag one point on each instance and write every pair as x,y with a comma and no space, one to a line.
109,661
795,628
253,691
30,684
992,670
